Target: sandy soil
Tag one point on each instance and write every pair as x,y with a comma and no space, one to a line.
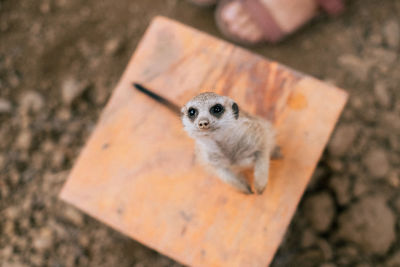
59,61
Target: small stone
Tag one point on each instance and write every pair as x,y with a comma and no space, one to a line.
5,106
64,114
376,162
358,67
342,139
73,216
31,101
356,102
375,39
347,254
391,32
45,7
393,179
6,252
24,140
2,161
391,121
71,89
335,165
320,211
58,158
11,212
84,240
14,79
112,46
309,257
308,238
48,146
25,224
379,55
38,160
43,240
9,228
325,248
13,263
397,204
341,187
394,261
382,94
370,224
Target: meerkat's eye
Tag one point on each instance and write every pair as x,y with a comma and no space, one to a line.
217,110
192,113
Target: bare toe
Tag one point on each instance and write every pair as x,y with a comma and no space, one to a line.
236,24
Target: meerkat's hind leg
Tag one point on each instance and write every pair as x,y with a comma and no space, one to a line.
233,179
261,172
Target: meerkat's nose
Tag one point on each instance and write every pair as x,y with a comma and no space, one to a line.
204,124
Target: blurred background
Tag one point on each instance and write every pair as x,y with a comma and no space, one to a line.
59,61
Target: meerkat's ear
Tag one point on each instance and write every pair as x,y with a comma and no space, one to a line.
235,110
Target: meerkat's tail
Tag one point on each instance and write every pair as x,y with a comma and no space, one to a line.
172,106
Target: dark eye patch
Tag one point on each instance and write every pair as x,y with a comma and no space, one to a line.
192,113
217,110
235,110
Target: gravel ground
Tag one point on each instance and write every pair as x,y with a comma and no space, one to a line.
59,61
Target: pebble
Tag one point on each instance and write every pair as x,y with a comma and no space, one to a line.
325,248
308,258
6,252
308,238
360,186
320,210
5,106
112,46
58,159
376,162
358,67
74,216
345,255
341,187
2,161
31,101
12,212
379,55
342,139
71,89
390,120
382,94
393,261
24,140
393,179
13,263
43,240
368,223
391,33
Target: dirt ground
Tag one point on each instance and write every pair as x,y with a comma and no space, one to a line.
60,59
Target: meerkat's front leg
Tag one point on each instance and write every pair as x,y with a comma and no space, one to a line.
237,181
261,172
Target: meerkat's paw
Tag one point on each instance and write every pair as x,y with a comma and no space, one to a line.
259,188
246,189
237,181
261,172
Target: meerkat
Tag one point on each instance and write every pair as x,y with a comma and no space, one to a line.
227,138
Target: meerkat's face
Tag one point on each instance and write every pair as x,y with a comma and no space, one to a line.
207,113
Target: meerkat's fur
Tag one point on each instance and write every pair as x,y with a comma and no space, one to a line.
229,139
